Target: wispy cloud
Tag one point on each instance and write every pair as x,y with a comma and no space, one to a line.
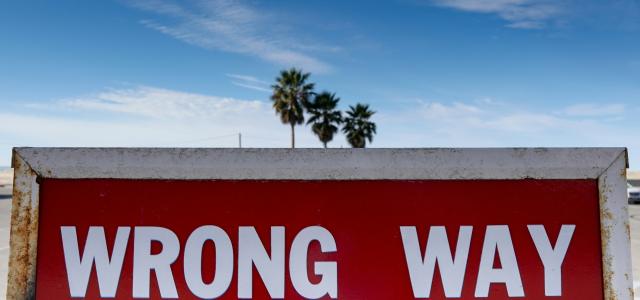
523,14
163,103
233,26
151,116
594,110
250,82
484,116
506,124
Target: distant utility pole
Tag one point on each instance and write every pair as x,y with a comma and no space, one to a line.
240,140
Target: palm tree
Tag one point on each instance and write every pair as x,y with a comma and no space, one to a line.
324,116
357,126
291,95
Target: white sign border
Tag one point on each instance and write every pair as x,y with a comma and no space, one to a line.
607,165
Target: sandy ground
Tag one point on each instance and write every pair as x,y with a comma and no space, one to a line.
5,213
6,177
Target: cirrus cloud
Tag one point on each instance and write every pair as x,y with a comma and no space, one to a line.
523,14
232,26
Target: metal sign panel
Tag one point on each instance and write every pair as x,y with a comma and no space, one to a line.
320,224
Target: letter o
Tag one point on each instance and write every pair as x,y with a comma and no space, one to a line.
193,262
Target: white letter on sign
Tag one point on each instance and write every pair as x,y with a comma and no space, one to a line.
498,238
193,262
552,258
95,250
144,262
252,252
421,270
298,264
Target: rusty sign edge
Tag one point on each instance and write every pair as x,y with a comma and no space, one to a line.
615,231
23,232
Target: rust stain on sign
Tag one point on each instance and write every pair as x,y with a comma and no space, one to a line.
24,232
614,230
606,217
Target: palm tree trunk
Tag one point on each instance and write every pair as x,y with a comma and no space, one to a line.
325,144
293,136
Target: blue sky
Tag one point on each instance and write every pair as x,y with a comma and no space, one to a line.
439,73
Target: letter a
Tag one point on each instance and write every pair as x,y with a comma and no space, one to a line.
498,239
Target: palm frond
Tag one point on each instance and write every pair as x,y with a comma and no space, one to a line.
358,128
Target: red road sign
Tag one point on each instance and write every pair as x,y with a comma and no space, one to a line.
350,239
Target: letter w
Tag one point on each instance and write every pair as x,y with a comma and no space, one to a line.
421,269
95,251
